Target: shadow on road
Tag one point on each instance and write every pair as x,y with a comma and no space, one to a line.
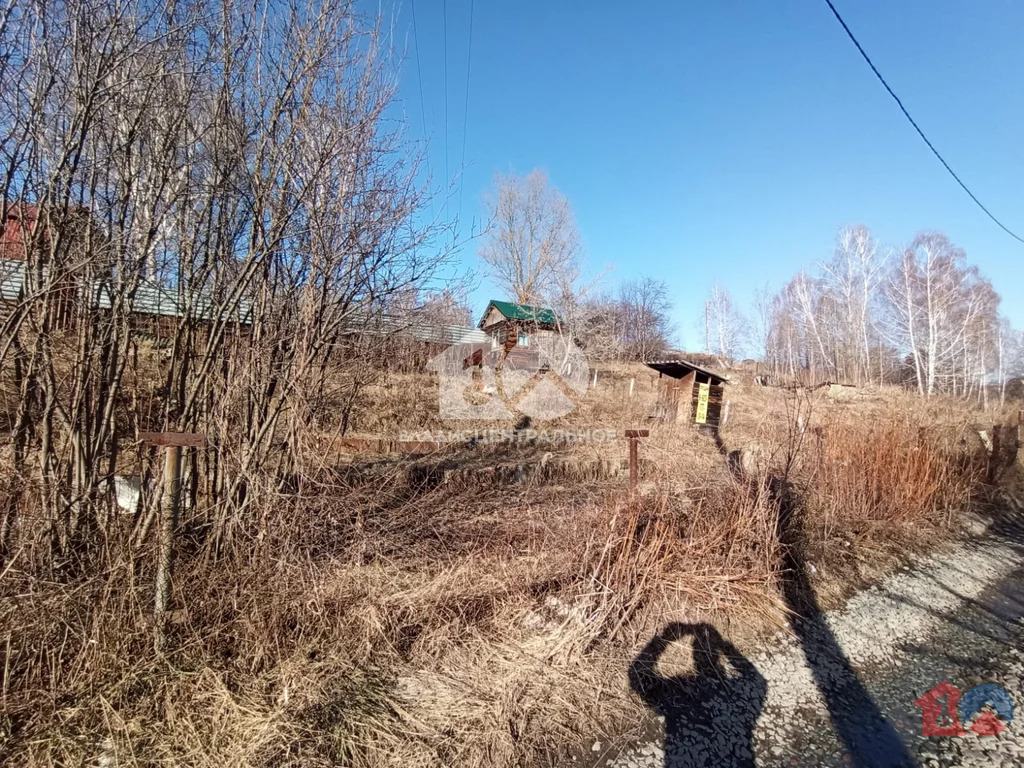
710,714
868,737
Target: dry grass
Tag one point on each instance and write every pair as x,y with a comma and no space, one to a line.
381,619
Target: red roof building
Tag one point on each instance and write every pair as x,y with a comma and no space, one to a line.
19,223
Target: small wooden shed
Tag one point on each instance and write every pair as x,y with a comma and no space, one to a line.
688,394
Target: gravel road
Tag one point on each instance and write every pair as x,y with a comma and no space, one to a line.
839,690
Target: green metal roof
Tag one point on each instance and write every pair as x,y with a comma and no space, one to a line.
514,311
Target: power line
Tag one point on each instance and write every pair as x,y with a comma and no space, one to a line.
444,10
917,128
465,108
419,73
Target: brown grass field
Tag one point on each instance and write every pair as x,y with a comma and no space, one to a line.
429,612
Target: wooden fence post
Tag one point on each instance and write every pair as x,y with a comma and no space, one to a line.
168,523
173,442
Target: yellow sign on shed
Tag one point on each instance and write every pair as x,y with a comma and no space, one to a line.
703,391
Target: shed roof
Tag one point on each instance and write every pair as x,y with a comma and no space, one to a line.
150,298
677,369
414,327
513,311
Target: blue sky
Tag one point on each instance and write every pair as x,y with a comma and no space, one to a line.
728,141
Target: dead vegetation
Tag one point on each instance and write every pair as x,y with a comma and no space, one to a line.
235,214
370,620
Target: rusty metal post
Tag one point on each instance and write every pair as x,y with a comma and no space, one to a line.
168,522
633,436
633,464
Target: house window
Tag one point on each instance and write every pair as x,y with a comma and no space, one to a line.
524,339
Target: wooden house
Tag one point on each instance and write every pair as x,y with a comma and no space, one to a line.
21,231
510,326
155,308
688,393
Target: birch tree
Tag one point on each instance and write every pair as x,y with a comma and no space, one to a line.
935,298
852,277
728,327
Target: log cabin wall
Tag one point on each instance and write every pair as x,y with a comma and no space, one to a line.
687,405
716,400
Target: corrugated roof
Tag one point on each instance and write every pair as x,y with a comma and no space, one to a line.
513,311
12,278
679,368
150,298
417,328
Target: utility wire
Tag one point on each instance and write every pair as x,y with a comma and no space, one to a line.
917,128
465,108
444,10
419,73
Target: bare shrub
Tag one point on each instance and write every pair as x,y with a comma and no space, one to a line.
881,486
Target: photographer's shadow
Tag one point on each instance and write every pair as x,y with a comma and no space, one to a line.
710,714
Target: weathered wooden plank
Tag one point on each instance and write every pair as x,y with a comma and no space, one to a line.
417,446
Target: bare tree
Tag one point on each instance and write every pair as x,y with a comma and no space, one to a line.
446,308
929,319
225,183
728,327
935,300
599,327
851,280
643,323
1011,359
532,248
764,321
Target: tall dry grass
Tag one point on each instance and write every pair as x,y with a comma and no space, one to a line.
375,627
380,619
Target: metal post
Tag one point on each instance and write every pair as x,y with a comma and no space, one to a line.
168,522
633,464
633,436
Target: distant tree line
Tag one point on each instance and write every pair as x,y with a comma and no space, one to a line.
922,317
